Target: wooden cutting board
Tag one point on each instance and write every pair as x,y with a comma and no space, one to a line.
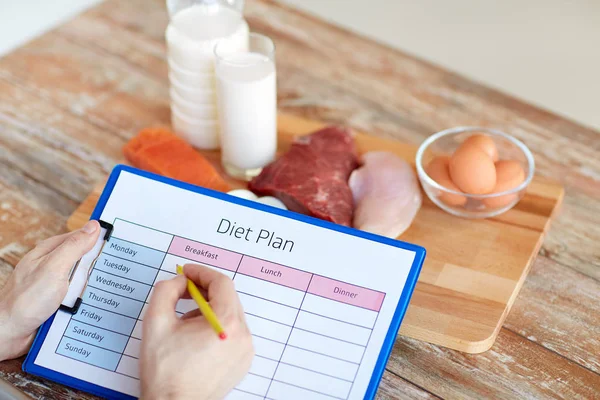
474,269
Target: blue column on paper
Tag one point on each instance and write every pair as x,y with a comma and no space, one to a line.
125,269
134,252
130,267
120,286
112,302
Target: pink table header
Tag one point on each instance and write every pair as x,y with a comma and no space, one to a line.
204,253
346,293
274,273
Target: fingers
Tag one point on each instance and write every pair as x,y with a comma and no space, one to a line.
186,295
73,247
46,246
220,289
191,314
164,299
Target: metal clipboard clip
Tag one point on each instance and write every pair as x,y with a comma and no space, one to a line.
82,269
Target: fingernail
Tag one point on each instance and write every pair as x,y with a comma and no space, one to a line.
89,228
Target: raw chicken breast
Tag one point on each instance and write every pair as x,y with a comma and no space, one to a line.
386,194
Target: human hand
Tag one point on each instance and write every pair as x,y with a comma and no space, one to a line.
183,358
38,285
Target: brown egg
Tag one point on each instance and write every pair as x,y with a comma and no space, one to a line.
509,175
472,170
437,169
485,143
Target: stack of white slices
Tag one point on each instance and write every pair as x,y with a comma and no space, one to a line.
191,37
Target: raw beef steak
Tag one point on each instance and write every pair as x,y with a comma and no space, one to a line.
312,177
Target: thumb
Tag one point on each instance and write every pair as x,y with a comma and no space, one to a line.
74,246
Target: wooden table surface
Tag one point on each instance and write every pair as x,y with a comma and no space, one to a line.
71,98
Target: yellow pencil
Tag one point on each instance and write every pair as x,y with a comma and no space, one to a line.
205,308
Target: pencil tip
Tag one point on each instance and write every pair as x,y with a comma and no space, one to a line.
222,336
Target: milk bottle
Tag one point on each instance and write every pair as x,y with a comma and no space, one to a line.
196,26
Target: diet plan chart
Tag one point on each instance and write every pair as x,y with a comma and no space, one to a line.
319,303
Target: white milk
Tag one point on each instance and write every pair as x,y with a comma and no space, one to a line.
191,36
247,103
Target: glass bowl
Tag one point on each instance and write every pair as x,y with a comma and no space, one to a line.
480,205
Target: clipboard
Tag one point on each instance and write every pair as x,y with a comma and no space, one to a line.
81,271
385,349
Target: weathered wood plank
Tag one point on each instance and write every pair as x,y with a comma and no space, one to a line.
35,387
326,73
50,126
63,170
515,368
102,90
559,309
575,234
23,220
91,30
121,14
394,387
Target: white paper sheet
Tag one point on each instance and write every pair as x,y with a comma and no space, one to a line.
318,303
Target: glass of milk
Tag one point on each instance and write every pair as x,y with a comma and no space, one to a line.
247,105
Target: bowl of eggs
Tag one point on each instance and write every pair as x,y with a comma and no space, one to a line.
474,172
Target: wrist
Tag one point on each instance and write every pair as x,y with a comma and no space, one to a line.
11,343
158,394
6,338
172,389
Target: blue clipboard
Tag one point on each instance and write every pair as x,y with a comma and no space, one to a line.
30,367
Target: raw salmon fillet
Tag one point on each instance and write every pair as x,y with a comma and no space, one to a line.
160,151
312,177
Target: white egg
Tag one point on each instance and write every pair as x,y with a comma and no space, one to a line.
272,201
244,194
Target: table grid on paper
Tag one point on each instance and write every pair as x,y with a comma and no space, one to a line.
309,332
